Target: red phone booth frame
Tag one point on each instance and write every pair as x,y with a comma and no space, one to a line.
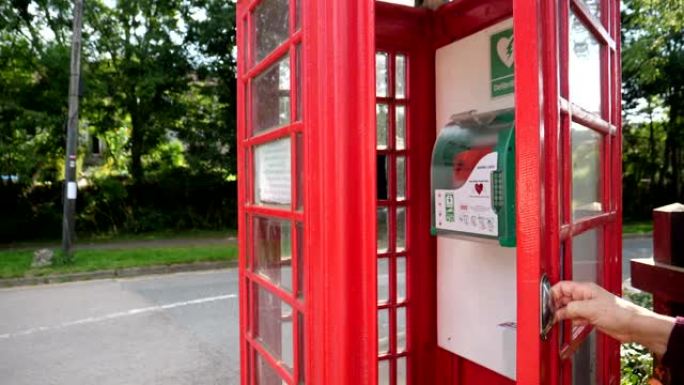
332,298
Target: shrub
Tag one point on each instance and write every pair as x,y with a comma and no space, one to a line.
176,199
636,362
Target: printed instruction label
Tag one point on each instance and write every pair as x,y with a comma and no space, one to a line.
469,209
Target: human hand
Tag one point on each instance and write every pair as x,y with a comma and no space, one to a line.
587,303
590,304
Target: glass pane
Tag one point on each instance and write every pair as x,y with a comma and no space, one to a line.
298,16
383,280
248,304
383,228
381,123
400,112
586,172
400,74
401,229
594,6
401,178
384,372
273,251
585,67
298,80
272,173
401,279
246,109
271,26
274,326
586,256
249,357
382,176
381,74
401,329
245,41
248,251
584,362
271,96
265,374
383,331
300,260
301,362
401,371
300,171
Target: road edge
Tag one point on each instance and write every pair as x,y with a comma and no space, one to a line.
116,273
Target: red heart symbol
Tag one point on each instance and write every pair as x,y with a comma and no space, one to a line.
479,187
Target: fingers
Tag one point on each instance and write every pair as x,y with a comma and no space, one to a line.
577,311
565,292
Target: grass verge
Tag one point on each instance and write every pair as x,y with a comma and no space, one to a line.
15,264
637,227
125,237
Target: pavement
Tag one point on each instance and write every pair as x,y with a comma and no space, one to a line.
173,329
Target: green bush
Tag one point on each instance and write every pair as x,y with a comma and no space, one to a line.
636,362
176,199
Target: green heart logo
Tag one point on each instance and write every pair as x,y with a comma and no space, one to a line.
504,48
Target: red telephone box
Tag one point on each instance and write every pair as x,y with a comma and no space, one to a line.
347,274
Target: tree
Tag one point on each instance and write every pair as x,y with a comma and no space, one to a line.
144,68
653,73
653,93
210,128
33,88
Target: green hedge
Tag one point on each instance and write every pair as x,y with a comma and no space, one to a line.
636,361
175,200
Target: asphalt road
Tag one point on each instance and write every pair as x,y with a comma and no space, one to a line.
638,247
172,330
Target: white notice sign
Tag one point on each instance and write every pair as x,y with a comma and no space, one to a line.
71,190
272,172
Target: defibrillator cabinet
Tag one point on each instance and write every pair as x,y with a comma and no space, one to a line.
473,177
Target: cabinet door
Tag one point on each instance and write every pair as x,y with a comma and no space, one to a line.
569,156
271,223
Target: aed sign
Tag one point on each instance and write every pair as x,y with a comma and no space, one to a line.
501,63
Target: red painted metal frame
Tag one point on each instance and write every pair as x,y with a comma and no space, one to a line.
340,201
458,19
250,347
531,364
551,171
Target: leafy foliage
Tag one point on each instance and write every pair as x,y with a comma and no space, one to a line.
158,89
653,74
636,361
153,70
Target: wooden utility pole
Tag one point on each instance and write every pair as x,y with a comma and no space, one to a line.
72,133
